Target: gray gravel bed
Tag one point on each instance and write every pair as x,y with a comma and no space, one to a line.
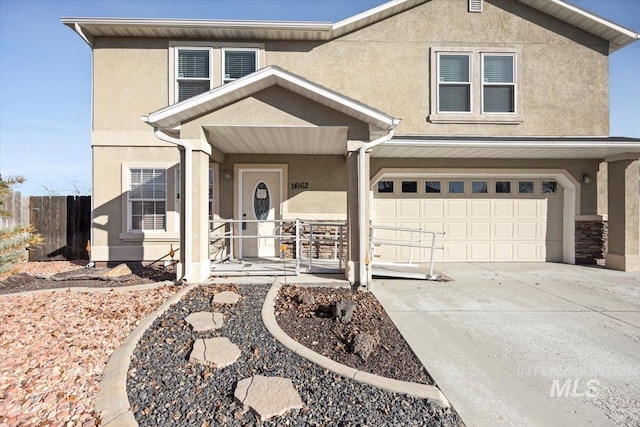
165,389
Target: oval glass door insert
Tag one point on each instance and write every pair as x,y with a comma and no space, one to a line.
261,201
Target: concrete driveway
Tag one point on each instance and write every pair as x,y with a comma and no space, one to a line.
526,344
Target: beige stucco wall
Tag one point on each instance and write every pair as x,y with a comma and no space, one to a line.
110,239
577,168
563,86
276,106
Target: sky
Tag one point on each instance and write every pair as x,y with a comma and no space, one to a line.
45,75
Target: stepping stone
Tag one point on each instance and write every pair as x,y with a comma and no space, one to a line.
268,397
226,297
204,321
215,352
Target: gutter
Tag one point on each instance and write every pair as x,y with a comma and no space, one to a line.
187,215
362,190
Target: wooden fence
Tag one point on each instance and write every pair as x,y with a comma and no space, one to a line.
64,222
18,205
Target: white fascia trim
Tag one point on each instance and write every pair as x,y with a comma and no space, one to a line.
203,23
596,18
513,144
367,13
257,76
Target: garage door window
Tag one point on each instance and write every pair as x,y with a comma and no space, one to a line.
432,187
409,186
385,186
549,187
479,187
456,187
503,187
525,187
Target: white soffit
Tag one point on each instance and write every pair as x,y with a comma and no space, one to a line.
551,148
229,93
278,139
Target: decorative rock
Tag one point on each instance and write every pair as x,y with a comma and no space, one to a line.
363,345
117,271
215,352
204,321
343,310
306,298
226,297
268,397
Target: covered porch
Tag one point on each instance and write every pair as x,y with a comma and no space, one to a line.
266,161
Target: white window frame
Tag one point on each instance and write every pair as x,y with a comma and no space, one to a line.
130,201
176,62
514,83
469,83
237,49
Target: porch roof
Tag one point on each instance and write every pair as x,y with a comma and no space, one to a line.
172,116
408,146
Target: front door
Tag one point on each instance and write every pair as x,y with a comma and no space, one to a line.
259,208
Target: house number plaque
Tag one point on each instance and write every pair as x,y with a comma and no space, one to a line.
299,185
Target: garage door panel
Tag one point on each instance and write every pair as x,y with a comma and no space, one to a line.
456,208
456,252
503,230
502,251
480,208
503,208
526,208
409,208
480,230
385,208
480,252
433,208
456,230
526,230
526,251
434,226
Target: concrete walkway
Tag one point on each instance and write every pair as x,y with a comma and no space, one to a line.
526,344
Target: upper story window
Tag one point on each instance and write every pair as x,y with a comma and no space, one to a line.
193,72
475,85
454,82
239,62
198,66
498,83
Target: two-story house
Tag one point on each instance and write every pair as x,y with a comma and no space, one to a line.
486,120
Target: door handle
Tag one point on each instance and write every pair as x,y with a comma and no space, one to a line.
244,223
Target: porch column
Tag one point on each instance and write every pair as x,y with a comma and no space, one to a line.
352,268
200,263
624,221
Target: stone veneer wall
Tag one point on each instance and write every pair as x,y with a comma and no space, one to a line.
591,241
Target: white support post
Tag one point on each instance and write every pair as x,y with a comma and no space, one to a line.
297,246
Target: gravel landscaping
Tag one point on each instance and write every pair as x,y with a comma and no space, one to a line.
311,323
164,388
54,347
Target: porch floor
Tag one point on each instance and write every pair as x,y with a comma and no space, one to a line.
273,267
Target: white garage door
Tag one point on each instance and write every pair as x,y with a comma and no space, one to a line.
485,220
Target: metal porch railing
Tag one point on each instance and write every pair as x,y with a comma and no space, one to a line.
303,238
415,240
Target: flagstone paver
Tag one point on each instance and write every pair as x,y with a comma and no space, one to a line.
215,352
268,397
226,297
203,321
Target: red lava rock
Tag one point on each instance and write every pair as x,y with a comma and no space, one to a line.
54,346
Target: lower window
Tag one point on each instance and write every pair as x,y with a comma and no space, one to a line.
147,199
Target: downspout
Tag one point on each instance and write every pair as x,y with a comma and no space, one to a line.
363,182
187,215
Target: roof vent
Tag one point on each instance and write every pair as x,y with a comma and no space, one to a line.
475,5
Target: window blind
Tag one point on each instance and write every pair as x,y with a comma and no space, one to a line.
193,64
239,63
498,69
454,68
